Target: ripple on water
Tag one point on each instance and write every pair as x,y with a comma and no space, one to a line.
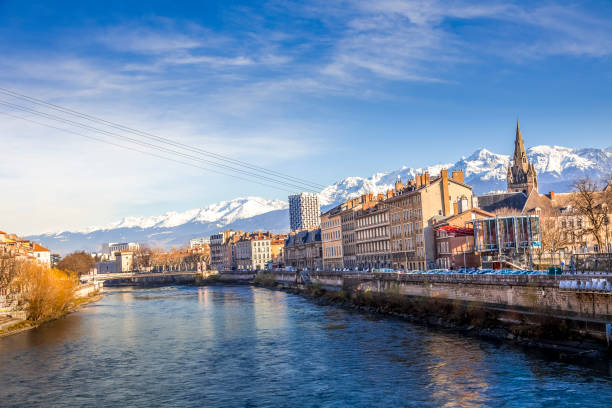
242,346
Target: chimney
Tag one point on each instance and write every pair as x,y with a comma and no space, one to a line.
380,197
398,185
445,195
390,193
458,176
426,180
551,195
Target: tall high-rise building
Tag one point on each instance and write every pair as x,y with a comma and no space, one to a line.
304,211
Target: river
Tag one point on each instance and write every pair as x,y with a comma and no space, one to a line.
240,346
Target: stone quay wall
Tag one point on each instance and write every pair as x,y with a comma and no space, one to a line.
524,293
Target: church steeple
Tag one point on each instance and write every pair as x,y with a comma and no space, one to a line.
520,156
521,175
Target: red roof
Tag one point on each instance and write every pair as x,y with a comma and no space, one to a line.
40,248
458,231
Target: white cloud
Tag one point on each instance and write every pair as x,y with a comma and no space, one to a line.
237,95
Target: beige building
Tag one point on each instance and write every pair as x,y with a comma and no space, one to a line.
124,260
253,252
331,238
347,221
411,216
277,249
372,235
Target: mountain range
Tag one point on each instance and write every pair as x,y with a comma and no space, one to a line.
485,171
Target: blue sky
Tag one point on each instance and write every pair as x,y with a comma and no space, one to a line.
320,90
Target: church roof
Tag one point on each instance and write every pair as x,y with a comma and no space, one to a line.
493,202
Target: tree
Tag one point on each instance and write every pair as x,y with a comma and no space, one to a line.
79,263
143,258
46,292
8,270
506,212
553,238
589,202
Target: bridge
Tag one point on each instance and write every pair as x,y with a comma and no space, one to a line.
143,279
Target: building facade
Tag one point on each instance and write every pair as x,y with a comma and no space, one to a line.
331,238
347,220
304,211
221,249
198,242
372,237
111,248
413,210
455,240
303,250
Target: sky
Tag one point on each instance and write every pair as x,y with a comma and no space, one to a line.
319,90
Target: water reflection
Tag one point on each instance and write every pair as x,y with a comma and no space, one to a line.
241,346
458,377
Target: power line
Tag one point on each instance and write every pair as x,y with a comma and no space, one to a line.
160,139
142,151
145,144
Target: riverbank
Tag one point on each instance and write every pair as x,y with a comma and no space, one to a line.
565,338
25,325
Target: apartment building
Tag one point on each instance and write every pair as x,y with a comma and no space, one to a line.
13,246
303,249
455,239
347,226
411,213
372,234
331,238
111,248
199,242
255,251
304,211
277,249
221,249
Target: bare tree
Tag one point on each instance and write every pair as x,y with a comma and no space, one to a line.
8,270
553,237
588,201
143,258
506,211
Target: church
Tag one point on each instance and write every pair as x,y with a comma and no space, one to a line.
522,197
522,175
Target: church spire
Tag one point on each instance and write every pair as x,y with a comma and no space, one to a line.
520,155
521,174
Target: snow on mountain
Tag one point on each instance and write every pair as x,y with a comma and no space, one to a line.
485,171
222,213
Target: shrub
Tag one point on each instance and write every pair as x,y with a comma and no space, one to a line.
46,292
265,279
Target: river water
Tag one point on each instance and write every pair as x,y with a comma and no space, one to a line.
239,346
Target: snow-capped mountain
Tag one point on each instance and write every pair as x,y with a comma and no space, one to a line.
222,213
556,166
